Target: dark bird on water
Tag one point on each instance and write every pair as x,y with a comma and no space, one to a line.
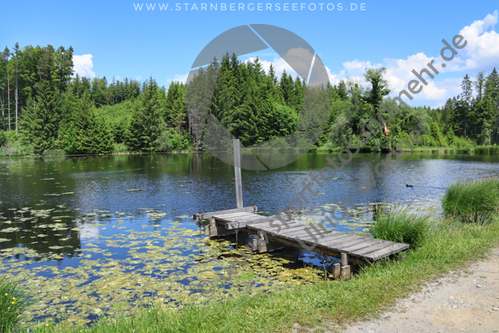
407,185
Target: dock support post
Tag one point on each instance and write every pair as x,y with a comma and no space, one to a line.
264,245
237,170
336,271
213,227
345,268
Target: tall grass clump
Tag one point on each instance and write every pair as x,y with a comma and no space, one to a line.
400,225
12,303
472,201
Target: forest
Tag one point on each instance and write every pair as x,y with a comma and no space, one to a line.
48,109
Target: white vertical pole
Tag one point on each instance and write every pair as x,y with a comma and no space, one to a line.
237,170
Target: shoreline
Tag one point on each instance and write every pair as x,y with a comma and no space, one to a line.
489,150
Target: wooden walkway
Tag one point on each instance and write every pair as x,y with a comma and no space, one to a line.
273,234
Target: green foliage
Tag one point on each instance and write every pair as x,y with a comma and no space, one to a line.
3,138
255,106
144,128
399,225
473,201
171,140
72,144
40,119
12,303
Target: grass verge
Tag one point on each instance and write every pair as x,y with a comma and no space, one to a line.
399,224
12,303
473,201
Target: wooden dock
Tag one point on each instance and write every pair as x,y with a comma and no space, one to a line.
273,234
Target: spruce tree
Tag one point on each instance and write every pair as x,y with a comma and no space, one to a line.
466,98
144,127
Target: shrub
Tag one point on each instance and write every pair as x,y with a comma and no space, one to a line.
3,138
472,201
12,303
399,225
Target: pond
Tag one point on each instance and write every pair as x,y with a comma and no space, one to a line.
88,236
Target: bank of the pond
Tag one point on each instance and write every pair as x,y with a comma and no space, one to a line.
450,246
24,152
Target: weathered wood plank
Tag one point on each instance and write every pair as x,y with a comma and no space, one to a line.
387,251
229,217
343,242
268,228
202,216
368,250
366,243
243,224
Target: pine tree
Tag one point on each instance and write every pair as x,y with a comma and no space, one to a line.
40,119
466,98
379,88
342,91
144,128
16,62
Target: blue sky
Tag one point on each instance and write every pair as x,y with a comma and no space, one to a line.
115,38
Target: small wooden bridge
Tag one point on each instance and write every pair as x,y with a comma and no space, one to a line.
272,233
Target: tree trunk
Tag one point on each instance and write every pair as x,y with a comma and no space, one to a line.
8,94
16,97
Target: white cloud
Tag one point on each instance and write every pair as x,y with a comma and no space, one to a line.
137,78
82,65
178,78
482,49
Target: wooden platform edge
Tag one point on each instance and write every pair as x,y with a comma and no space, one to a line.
203,216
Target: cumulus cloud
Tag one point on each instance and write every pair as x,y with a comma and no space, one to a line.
182,78
482,49
82,65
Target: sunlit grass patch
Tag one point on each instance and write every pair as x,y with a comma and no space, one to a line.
12,303
400,224
472,201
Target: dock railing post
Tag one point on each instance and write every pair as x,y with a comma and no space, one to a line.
237,170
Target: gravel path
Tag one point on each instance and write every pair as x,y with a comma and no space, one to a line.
461,302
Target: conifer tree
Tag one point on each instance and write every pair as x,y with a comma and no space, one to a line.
144,127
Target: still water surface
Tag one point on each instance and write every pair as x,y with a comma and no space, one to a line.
88,236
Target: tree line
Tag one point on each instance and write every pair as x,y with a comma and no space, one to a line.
45,106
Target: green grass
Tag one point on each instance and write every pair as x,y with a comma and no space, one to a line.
472,201
400,225
12,303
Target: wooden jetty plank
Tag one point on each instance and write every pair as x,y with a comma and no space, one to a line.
341,245
266,226
367,243
243,224
382,253
324,238
337,243
202,216
278,226
308,234
291,233
366,251
229,217
224,219
336,236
